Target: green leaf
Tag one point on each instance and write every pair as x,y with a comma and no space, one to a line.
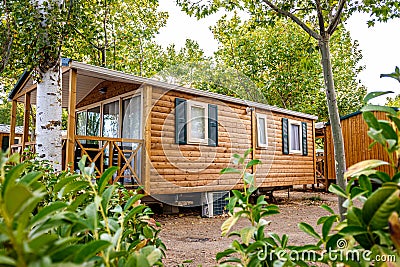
7,260
43,240
373,95
247,233
90,249
248,178
371,120
252,163
31,177
224,253
75,186
15,197
327,226
357,168
334,188
353,230
105,178
229,170
132,200
12,175
385,109
327,208
227,224
355,218
380,205
396,121
305,227
106,196
46,211
247,152
64,181
91,214
78,201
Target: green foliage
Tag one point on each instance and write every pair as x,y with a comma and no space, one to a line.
253,247
70,220
285,64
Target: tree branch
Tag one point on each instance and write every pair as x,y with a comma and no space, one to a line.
320,18
84,37
294,18
335,22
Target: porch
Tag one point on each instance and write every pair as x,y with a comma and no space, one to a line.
103,152
107,121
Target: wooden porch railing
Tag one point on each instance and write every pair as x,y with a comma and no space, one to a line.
104,152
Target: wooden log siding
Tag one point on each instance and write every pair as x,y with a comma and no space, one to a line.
356,143
278,169
192,167
195,168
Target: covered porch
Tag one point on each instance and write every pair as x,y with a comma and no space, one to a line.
107,120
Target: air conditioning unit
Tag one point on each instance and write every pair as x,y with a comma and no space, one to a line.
213,203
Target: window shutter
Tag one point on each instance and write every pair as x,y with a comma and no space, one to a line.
285,136
212,125
304,138
180,121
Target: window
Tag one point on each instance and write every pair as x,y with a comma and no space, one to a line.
81,123
295,137
93,122
131,117
262,135
197,122
111,119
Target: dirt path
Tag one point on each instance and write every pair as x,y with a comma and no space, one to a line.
190,237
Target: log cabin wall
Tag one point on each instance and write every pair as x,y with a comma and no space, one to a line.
278,169
192,167
195,168
356,144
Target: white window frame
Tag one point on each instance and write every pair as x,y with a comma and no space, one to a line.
190,138
291,150
259,144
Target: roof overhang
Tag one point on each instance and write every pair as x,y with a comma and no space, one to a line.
89,76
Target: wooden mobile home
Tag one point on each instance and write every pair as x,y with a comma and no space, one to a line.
173,139
356,144
5,136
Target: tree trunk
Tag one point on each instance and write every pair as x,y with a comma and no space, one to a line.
49,92
49,117
340,160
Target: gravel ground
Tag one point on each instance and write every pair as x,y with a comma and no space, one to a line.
193,241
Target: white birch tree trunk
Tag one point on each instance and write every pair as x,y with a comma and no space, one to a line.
49,116
48,100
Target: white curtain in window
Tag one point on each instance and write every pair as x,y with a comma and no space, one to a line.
262,139
198,127
295,137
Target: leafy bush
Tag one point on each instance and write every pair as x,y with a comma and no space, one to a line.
253,248
370,233
72,219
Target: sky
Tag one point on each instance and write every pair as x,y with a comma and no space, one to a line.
380,45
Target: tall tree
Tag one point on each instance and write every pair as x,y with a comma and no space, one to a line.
117,34
318,19
284,64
